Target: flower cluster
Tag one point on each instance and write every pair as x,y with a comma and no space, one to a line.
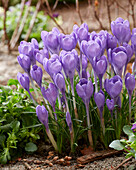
62,62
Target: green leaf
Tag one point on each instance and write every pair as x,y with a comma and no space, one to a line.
30,147
2,139
13,82
132,138
127,130
116,145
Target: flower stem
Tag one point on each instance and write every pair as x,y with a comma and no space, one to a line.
66,102
102,122
74,101
95,79
100,81
129,108
80,64
32,98
54,113
52,139
88,123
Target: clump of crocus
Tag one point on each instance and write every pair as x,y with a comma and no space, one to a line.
110,105
24,81
85,90
130,86
121,29
51,94
42,115
100,101
41,54
36,74
51,41
100,66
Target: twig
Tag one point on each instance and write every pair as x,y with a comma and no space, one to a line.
122,7
97,17
33,20
126,160
133,11
109,14
49,12
78,11
18,22
27,165
21,26
55,5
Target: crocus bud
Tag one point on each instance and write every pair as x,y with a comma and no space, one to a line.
129,51
85,89
91,49
69,63
111,41
23,80
36,74
69,122
42,115
59,82
41,54
53,65
81,32
24,62
110,104
121,30
50,94
99,100
133,39
51,41
134,127
113,86
68,42
130,83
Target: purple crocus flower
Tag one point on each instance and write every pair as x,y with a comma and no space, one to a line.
60,82
121,29
51,41
69,62
130,86
42,115
41,54
23,80
134,127
24,62
130,83
110,105
68,42
113,86
52,66
81,32
69,122
100,66
100,101
133,39
111,41
118,59
51,95
85,89
36,74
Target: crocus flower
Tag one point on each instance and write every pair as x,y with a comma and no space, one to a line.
85,90
134,127
113,86
111,41
69,122
51,95
121,30
52,66
68,42
81,32
41,54
51,41
60,82
23,80
130,86
24,62
36,74
110,105
42,115
100,66
118,59
133,39
100,101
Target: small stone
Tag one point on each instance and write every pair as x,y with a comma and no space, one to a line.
68,163
66,158
55,158
61,161
51,153
50,164
69,158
